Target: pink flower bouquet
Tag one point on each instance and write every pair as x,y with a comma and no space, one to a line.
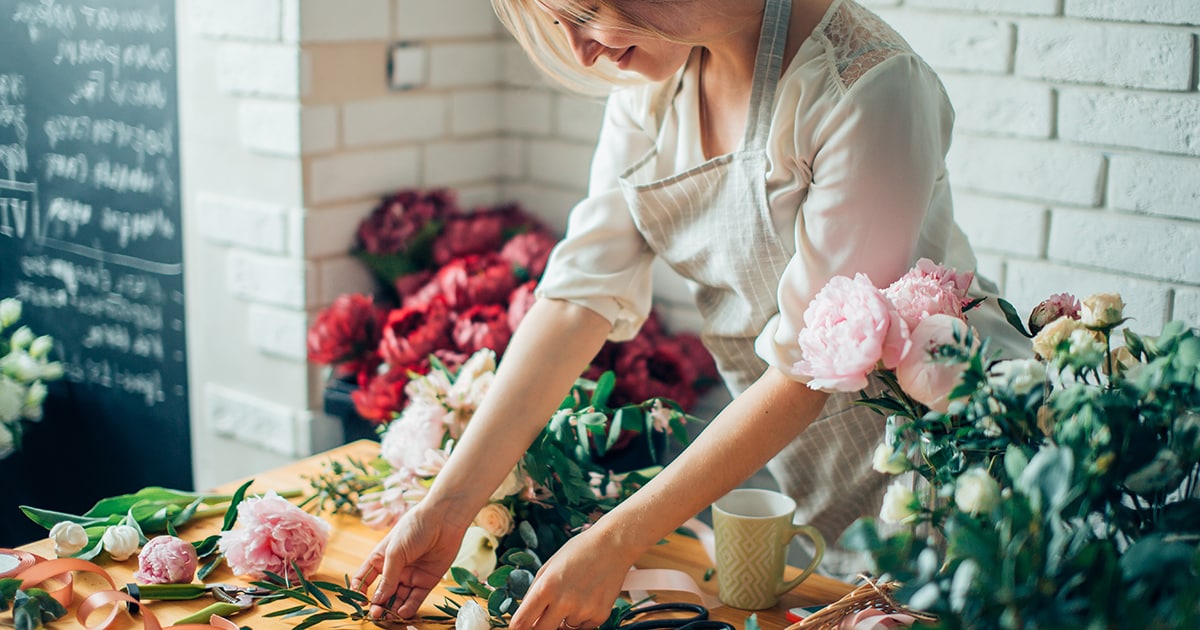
166,560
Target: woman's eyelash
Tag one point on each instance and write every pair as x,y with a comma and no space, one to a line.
582,18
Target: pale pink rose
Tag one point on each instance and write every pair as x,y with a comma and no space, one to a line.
921,374
850,329
273,534
929,289
495,519
166,560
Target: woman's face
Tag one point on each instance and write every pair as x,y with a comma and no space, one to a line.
603,33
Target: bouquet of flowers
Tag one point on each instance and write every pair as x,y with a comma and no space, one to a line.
563,483
454,282
1055,491
24,371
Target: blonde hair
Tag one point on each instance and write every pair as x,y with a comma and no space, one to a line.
548,48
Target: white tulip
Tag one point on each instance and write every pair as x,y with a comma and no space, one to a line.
976,491
10,312
6,441
120,541
899,504
41,346
22,338
12,399
471,616
52,371
21,366
34,397
69,538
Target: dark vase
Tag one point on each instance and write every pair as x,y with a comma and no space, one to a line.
339,404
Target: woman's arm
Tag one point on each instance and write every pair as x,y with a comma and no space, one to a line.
553,345
581,581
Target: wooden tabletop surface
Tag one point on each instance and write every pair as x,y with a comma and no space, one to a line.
350,541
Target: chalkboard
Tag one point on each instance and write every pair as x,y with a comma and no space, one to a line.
90,242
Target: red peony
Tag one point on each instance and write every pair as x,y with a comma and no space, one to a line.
409,283
467,234
345,334
392,227
412,332
528,253
519,302
482,326
471,280
647,370
381,397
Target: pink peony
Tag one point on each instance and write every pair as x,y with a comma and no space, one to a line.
850,328
929,289
1052,308
272,535
417,431
166,560
925,376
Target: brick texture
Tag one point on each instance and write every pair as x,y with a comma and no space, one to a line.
1141,57
1167,123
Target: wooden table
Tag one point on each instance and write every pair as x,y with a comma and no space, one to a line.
350,541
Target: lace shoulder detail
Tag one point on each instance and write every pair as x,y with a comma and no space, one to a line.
859,40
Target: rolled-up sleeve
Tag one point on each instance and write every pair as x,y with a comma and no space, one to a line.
603,263
880,156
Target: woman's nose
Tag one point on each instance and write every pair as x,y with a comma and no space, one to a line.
587,50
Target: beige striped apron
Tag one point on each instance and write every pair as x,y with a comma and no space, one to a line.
712,225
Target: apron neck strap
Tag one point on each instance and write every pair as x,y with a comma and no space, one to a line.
771,44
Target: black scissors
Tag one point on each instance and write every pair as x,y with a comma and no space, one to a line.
697,621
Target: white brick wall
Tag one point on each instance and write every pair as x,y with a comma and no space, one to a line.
1167,123
1159,11
1044,171
1145,57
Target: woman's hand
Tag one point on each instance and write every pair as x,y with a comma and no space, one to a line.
410,561
577,587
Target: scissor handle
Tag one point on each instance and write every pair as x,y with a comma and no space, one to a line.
700,617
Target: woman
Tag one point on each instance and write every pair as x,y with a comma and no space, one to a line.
771,145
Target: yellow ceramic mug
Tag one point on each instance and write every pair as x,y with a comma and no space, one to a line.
753,528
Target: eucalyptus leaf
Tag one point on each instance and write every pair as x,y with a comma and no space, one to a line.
209,567
528,535
518,582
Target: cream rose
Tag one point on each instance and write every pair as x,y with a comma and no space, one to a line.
1046,342
495,519
69,538
471,616
120,541
899,504
975,491
885,461
1102,310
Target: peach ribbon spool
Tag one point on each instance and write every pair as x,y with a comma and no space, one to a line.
40,570
14,561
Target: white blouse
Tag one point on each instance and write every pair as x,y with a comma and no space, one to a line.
856,173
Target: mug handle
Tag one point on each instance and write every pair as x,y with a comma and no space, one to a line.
818,542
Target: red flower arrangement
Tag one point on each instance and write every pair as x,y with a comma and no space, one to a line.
456,282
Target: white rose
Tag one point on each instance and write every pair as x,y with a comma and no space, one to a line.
1102,310
1019,375
471,617
21,338
69,538
12,399
6,441
10,312
1085,348
120,541
975,491
512,484
885,461
41,346
899,504
1046,342
477,553
495,519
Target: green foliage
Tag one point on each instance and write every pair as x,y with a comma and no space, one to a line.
1096,463
31,608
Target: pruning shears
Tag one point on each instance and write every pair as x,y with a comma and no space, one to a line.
231,598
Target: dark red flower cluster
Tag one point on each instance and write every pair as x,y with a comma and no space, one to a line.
461,281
